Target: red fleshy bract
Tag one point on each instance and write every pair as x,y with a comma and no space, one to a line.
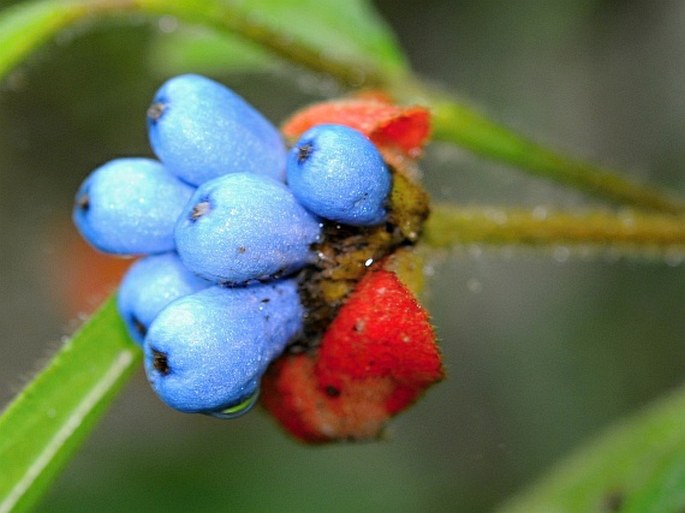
376,358
392,128
382,332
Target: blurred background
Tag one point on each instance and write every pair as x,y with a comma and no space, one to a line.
543,349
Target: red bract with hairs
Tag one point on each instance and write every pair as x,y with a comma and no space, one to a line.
376,358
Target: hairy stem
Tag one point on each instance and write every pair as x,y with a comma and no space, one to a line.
633,232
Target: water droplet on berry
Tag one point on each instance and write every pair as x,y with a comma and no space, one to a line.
237,410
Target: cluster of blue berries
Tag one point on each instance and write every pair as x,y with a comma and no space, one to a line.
216,298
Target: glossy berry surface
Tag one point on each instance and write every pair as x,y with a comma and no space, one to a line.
130,206
149,285
207,351
242,227
338,174
201,130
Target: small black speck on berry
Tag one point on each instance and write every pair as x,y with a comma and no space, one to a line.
83,202
160,362
139,326
304,151
155,111
199,210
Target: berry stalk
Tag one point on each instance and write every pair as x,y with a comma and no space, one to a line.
630,232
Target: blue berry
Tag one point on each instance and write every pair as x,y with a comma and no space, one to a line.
206,352
337,173
201,130
130,206
149,285
243,227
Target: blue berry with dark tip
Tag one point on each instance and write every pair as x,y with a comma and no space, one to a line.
243,227
200,130
149,285
130,206
206,352
338,174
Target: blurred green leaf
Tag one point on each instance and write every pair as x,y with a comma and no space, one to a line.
348,31
664,490
194,49
25,26
50,418
347,39
637,466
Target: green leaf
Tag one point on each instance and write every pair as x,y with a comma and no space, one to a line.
637,466
194,49
348,31
49,419
664,490
345,39
25,26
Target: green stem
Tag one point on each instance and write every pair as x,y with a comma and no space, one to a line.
46,423
456,123
450,225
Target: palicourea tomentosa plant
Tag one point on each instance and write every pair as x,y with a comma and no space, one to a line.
272,269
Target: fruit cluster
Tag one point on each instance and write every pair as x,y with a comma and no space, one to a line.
242,270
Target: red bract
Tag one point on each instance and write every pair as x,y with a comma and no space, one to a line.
376,358
398,132
382,332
